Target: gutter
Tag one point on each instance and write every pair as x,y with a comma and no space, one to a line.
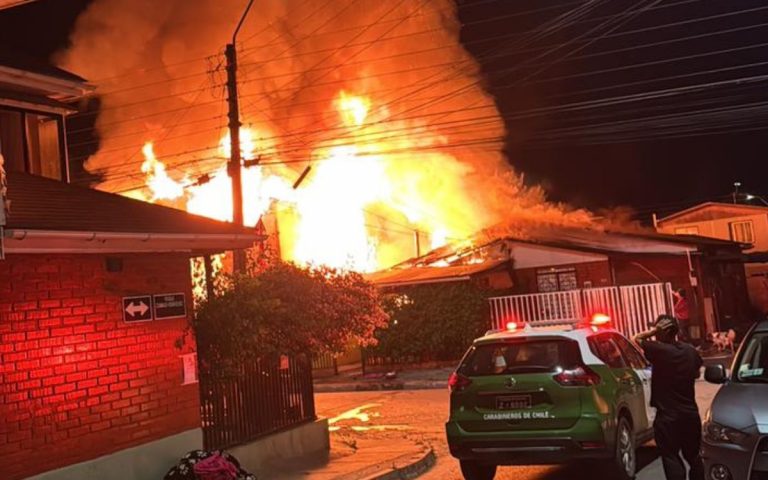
16,234
35,80
46,241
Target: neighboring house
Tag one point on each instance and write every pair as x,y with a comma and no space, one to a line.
726,221
95,292
560,274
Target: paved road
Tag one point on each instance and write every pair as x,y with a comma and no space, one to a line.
420,415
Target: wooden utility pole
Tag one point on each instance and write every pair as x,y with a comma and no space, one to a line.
234,166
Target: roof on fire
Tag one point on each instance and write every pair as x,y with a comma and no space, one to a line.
539,245
414,276
39,204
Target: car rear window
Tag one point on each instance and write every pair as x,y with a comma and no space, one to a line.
521,356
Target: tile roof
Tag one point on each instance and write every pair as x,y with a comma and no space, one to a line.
21,61
39,203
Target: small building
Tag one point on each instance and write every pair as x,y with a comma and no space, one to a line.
95,296
559,274
746,224
92,381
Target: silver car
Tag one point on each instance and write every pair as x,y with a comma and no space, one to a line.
735,445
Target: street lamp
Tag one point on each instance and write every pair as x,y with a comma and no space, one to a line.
750,197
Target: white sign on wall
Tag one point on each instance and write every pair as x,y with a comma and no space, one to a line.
189,368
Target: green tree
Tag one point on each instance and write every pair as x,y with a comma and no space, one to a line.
433,322
287,309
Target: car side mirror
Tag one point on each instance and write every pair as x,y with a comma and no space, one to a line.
715,374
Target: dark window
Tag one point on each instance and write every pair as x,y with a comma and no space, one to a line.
605,348
43,145
12,141
752,367
556,280
30,142
521,356
631,353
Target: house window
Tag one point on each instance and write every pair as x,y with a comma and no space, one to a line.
31,143
687,230
742,232
556,280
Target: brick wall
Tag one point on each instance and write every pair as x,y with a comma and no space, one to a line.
652,269
76,382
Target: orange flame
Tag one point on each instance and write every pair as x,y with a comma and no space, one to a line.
359,208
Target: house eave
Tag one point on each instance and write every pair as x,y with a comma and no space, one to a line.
22,241
59,88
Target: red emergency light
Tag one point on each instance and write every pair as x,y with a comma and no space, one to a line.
600,320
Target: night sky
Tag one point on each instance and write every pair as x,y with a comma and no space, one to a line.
579,85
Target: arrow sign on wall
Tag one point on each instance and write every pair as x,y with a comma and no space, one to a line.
137,309
133,309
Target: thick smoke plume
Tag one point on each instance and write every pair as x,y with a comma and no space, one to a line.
159,71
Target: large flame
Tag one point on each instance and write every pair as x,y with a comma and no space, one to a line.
380,99
346,211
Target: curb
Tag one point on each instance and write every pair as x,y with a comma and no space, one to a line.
413,470
368,387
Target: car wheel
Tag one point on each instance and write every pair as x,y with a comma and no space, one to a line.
625,458
477,471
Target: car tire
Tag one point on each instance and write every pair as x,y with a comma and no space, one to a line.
477,471
625,451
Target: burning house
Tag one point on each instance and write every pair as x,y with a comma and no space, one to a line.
381,101
559,275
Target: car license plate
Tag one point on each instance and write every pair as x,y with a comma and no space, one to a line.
513,402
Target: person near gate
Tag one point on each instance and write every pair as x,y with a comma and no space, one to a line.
683,314
677,428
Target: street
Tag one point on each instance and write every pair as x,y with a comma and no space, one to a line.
420,415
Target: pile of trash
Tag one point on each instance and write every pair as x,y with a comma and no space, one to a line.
204,465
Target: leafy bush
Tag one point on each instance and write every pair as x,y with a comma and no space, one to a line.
286,309
433,322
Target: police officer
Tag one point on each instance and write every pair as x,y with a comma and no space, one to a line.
677,427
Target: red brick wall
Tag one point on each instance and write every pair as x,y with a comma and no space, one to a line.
76,382
598,273
652,269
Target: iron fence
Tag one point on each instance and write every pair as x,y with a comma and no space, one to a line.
265,396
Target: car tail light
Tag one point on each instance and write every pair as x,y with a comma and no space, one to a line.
458,382
581,376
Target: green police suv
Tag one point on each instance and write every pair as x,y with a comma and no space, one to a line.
528,396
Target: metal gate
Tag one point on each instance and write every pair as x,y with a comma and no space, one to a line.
264,396
631,307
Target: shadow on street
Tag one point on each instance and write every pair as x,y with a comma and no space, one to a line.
577,471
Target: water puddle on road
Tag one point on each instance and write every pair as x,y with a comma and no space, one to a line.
362,414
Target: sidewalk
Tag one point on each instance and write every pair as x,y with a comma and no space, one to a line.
356,456
354,381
